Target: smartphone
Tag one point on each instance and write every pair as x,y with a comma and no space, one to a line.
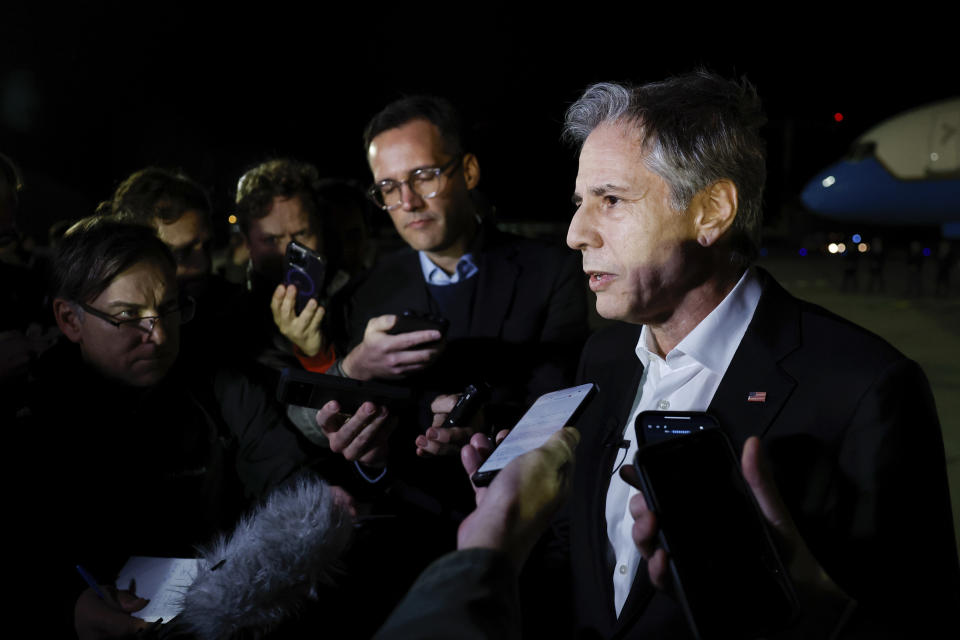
729,577
305,269
550,413
411,320
656,426
308,389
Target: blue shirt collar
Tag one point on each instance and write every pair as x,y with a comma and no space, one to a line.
466,268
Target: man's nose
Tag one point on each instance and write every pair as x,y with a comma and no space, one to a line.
410,199
580,233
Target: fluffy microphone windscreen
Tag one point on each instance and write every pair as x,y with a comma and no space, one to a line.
258,575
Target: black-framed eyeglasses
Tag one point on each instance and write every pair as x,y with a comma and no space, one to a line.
388,194
185,309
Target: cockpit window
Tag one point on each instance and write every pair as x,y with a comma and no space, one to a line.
861,151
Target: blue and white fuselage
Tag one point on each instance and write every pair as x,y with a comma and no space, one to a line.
905,171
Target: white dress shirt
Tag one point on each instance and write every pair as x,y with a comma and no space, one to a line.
683,381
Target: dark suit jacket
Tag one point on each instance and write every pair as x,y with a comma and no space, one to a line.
851,430
528,324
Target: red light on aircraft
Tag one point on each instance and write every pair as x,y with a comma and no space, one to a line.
838,116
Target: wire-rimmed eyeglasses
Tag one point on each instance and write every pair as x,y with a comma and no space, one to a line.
185,309
425,182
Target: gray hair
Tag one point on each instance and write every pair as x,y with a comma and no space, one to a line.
696,128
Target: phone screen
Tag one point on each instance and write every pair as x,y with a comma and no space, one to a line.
656,426
550,413
722,556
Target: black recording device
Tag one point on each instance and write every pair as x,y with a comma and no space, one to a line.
305,269
729,576
656,426
411,320
467,406
308,389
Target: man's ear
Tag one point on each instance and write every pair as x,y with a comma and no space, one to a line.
68,318
471,170
716,208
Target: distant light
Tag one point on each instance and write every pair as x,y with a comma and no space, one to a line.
862,247
232,219
763,251
856,237
828,181
842,248
927,252
838,116
934,156
832,247
803,251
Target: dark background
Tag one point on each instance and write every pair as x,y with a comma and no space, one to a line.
89,94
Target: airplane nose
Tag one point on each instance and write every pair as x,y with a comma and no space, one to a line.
814,195
834,191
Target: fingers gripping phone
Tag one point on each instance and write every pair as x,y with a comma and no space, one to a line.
411,320
306,270
550,413
728,574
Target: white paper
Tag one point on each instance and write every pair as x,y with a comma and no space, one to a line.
162,580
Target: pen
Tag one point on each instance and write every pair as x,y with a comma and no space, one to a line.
90,581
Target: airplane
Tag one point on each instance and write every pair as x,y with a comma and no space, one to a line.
904,171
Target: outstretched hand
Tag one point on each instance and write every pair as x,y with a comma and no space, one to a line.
445,441
360,437
821,600
514,510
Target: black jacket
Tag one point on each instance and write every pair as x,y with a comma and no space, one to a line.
527,325
850,428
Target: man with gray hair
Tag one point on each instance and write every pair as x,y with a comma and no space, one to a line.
668,197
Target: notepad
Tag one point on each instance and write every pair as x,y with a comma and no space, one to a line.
164,581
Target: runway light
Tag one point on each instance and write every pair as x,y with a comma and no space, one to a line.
856,237
828,181
232,219
838,116
927,252
862,247
842,248
832,247
803,251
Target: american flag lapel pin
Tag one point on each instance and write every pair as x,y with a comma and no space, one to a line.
757,396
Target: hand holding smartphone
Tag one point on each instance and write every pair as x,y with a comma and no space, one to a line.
729,577
550,413
306,270
411,320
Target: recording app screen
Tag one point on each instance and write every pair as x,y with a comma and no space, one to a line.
549,413
714,538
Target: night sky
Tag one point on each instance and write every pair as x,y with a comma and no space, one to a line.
88,95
